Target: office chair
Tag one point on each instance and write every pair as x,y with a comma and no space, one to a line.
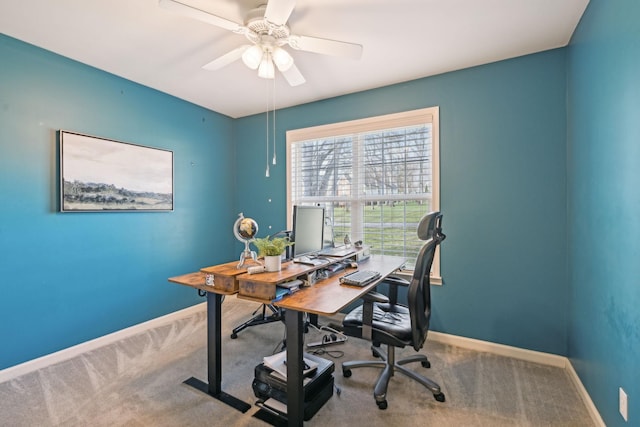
381,320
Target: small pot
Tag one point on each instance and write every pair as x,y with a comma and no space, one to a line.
273,263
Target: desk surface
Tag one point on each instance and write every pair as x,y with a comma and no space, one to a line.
197,280
325,297
290,270
328,296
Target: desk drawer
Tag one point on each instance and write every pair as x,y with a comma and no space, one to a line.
225,283
224,276
259,290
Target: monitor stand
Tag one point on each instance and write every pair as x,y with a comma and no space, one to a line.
309,260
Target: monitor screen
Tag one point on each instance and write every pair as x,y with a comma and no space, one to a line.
308,228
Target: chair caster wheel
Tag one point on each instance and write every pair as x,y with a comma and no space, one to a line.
426,364
439,397
234,336
346,373
373,350
382,405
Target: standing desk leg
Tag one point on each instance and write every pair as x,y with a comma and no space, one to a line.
214,357
295,392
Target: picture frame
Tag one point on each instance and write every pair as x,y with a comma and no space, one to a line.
104,175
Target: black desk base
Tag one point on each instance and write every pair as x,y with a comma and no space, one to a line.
295,392
234,402
270,418
214,357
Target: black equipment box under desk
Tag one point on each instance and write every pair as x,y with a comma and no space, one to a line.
318,388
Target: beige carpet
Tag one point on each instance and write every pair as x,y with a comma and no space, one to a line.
138,382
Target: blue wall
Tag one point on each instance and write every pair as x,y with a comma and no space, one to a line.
604,205
67,278
503,174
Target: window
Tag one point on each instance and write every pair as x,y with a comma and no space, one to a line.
376,178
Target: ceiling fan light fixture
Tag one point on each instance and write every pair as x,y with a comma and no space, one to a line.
266,69
267,30
282,59
253,57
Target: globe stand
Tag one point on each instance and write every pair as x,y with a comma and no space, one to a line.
245,229
248,253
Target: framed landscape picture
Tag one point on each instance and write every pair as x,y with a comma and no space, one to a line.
98,175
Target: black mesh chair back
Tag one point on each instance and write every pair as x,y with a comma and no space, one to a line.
419,293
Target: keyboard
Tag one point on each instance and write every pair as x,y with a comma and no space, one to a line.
359,278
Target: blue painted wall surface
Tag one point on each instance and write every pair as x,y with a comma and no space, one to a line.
503,174
604,205
68,278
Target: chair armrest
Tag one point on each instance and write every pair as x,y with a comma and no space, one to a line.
393,283
369,299
396,281
372,297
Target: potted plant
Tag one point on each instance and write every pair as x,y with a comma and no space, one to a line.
271,249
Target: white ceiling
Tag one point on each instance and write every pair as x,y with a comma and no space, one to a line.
403,40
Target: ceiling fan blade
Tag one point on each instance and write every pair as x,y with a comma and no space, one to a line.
326,46
201,15
226,59
278,11
293,76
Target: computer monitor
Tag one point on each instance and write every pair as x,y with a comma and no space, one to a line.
308,230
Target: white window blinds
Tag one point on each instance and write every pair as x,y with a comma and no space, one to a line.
376,177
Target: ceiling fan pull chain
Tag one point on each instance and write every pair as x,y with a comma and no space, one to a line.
267,142
274,120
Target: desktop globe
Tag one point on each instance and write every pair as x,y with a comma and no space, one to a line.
245,229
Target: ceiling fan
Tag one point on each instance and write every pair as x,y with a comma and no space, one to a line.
266,28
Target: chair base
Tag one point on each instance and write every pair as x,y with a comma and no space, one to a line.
389,367
277,315
260,319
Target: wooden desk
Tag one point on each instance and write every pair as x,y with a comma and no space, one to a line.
326,297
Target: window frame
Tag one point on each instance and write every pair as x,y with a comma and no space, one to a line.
370,124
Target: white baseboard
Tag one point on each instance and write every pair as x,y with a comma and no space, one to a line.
500,349
70,352
523,354
595,415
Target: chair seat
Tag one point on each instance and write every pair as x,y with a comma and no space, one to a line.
391,324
